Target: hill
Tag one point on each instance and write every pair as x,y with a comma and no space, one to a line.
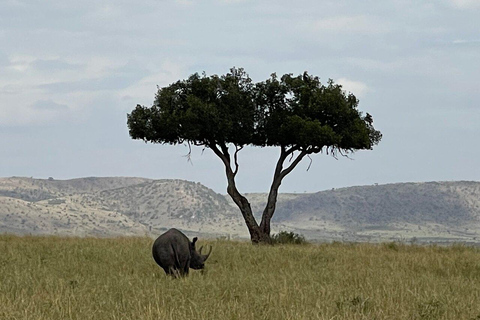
161,204
433,211
111,207
437,211
32,190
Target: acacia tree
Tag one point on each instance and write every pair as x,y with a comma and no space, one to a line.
299,115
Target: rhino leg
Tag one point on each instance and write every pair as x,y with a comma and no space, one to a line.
172,271
183,269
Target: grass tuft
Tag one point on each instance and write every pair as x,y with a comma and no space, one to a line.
285,237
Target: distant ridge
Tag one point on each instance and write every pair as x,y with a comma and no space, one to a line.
445,202
110,206
448,210
118,206
30,189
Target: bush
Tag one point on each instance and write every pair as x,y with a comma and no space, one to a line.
284,237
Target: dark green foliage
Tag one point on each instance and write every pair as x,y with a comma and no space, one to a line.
284,237
297,112
200,110
301,111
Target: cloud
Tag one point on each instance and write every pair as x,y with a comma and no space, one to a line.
461,41
106,11
232,1
99,78
49,105
38,113
100,84
31,66
4,61
359,89
44,89
465,4
49,65
350,24
185,2
143,91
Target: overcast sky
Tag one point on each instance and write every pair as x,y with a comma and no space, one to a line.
70,71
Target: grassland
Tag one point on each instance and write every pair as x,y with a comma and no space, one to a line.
89,278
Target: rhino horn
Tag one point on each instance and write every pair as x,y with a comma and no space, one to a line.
205,257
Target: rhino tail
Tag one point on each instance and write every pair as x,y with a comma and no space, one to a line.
177,261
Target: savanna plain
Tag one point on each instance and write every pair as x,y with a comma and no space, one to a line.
116,278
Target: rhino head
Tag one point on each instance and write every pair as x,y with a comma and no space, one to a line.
197,259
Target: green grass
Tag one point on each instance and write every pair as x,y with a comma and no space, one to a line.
88,278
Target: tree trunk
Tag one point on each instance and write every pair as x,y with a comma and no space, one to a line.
278,176
258,233
269,209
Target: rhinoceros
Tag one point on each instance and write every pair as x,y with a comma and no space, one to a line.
174,252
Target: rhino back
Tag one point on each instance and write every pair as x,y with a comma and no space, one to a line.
169,247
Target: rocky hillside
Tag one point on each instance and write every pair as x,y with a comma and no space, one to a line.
33,190
160,204
448,210
111,206
433,211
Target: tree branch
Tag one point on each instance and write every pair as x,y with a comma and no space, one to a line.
297,160
278,176
235,157
189,154
224,157
310,164
232,190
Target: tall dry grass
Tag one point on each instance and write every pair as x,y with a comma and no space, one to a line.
88,278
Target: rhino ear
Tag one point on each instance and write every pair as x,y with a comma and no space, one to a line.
194,240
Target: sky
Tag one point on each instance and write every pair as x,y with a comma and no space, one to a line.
71,71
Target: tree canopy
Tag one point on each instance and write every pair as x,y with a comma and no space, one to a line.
299,114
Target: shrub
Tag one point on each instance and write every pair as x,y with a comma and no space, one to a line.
284,237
